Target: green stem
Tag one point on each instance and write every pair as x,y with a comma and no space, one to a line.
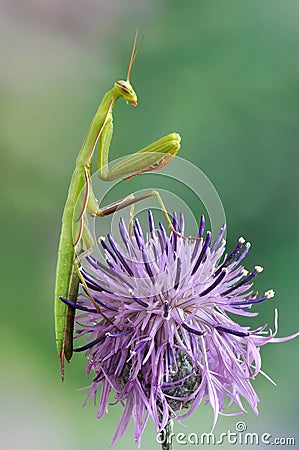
167,435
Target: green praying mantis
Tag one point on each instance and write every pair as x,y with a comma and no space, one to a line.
81,201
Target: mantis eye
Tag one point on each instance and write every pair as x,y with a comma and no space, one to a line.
125,89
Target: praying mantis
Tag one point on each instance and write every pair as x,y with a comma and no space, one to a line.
75,235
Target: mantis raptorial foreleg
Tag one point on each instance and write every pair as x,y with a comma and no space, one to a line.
74,232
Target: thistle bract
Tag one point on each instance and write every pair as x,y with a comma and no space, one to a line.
160,327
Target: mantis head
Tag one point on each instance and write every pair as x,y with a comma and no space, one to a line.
126,91
124,88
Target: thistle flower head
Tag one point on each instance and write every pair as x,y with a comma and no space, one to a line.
161,329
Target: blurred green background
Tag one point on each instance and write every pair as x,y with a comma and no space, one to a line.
222,73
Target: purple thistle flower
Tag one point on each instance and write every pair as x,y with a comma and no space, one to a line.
158,328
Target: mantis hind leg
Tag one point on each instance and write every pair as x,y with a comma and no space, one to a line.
75,279
67,350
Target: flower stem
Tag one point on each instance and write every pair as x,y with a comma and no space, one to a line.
168,434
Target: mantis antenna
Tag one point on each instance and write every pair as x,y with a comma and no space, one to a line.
135,50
